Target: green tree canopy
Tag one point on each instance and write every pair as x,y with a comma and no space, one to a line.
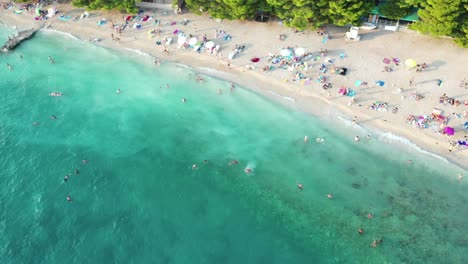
394,9
343,12
127,5
441,17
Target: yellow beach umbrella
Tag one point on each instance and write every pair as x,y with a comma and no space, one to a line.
411,63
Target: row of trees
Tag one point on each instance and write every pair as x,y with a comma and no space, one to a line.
437,17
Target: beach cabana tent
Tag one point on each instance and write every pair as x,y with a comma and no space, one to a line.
286,52
193,41
181,40
209,44
299,51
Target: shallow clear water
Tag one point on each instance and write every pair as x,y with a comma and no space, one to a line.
138,200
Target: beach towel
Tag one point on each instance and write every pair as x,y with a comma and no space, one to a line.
465,126
145,18
351,93
18,11
101,22
342,55
129,18
386,61
357,83
255,59
325,40
64,18
380,83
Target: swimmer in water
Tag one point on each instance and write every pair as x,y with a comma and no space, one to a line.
368,137
360,231
219,91
184,100
194,166
9,66
459,177
51,60
69,198
65,179
21,56
330,196
35,123
118,91
300,186
370,216
306,139
247,170
77,171
356,138
234,162
84,162
53,117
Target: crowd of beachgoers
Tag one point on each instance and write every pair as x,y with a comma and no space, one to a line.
419,94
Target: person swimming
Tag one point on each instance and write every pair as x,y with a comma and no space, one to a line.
118,91
184,100
356,138
53,117
306,139
194,167
9,66
330,196
69,199
65,179
360,231
247,170
300,186
234,162
370,216
77,171
51,60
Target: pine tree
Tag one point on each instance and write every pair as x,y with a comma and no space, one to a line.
440,17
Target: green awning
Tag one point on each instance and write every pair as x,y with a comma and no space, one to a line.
412,16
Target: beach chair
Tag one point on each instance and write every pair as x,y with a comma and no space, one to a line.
353,34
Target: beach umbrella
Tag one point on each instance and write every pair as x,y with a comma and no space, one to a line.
411,63
209,44
181,40
299,51
449,131
285,52
192,41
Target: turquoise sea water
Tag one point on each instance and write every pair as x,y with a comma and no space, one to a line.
138,200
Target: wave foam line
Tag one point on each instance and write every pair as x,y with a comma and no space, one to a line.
284,97
48,30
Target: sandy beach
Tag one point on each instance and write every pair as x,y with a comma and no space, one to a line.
400,92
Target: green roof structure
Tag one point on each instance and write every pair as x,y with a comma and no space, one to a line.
412,16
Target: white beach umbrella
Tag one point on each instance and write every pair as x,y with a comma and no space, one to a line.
299,51
209,44
285,52
181,40
192,41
